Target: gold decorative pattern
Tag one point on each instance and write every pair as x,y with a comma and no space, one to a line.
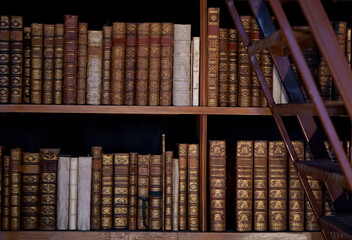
121,193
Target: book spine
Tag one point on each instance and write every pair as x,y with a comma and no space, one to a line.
63,186
48,63
175,193
256,88
121,179
30,191
217,188
143,191
348,47
84,190
311,55
276,86
107,49
48,168
325,83
107,191
167,42
26,94
183,182
195,71
233,67
267,69
95,210
193,187
168,190
15,189
82,62
223,66
132,200
72,202
1,179
70,59
58,63
4,59
155,191
37,61
130,63
5,223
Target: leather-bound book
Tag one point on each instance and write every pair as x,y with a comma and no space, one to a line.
324,79
36,62
48,63
84,191
260,186
143,45
312,58
182,65
121,179
48,174
130,63
168,190
244,67
213,56
82,62
4,59
233,67
26,90
132,199
296,193
70,59
16,58
106,81
95,210
155,190
72,201
175,193
6,198
94,67
166,58
1,179
256,88
277,186
63,192
223,66
183,182
143,191
348,47
217,188
30,191
244,185
107,191
58,63
195,70
267,69
193,187
15,189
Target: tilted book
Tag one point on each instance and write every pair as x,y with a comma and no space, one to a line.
223,66
256,87
107,191
175,193
183,193
193,187
82,62
48,63
121,179
59,63
233,67
4,59
26,90
155,190
267,69
95,210
84,190
6,198
132,199
107,50
63,192
37,62
168,190
130,63
15,189
72,202
143,191
195,70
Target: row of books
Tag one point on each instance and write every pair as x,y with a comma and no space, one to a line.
123,64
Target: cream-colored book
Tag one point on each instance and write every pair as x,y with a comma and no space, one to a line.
72,207
84,192
195,70
175,192
63,186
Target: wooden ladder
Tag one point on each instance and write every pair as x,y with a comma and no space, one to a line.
337,176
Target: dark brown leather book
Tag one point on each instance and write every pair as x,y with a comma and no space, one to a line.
324,79
233,67
82,62
30,191
155,192
154,65
58,63
193,187
48,63
143,191
95,211
26,91
6,198
267,68
183,182
48,167
130,63
1,179
168,189
118,62
107,183
4,59
256,88
16,58
106,81
15,189
217,188
223,66
167,42
70,59
37,62
132,200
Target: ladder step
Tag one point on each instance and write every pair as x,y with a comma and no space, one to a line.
324,170
334,108
338,227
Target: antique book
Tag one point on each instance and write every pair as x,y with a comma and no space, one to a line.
26,90
70,59
36,62
256,87
2,148
175,193
143,45
155,190
30,191
193,187
132,199
107,50
348,47
244,185
16,58
233,67
15,189
277,176
154,65
73,196
107,192
181,65
143,191
121,179
168,190
48,63
260,186
324,79
130,64
84,191
82,53
95,210
4,59
94,67
183,182
63,191
213,56
267,69
195,70
166,59
6,198
223,66
59,63
217,185
118,62
277,86
48,174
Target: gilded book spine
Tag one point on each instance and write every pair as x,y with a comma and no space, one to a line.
195,70
1,179
155,191
118,62
130,63
26,94
143,191
63,192
58,63
84,190
6,198
325,83
15,189
95,210
167,42
30,191
121,179
223,66
193,187
168,189
48,63
36,61
16,58
217,180
106,81
182,201
233,67
154,64
175,193
4,59
132,200
107,191
256,88
82,62
72,202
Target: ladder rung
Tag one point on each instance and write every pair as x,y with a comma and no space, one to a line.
334,108
338,227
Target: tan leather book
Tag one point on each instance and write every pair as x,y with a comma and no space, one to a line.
95,210
82,56
26,90
48,63
107,191
37,62
121,179
183,182
63,192
193,187
133,192
223,66
30,191
4,59
73,197
168,190
267,69
175,193
256,87
217,185
143,191
107,50
1,179
154,64
130,63
155,192
59,63
6,198
233,67
15,189
84,192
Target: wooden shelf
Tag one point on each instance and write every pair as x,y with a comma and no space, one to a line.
334,108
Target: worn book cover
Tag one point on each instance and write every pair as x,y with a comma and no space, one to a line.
193,187
15,189
175,193
143,191
6,198
48,63
132,189
95,210
4,59
121,179
168,189
107,53
183,194
36,63
59,63
233,67
223,66
155,192
107,185
84,191
256,87
26,90
63,192
82,62
72,201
